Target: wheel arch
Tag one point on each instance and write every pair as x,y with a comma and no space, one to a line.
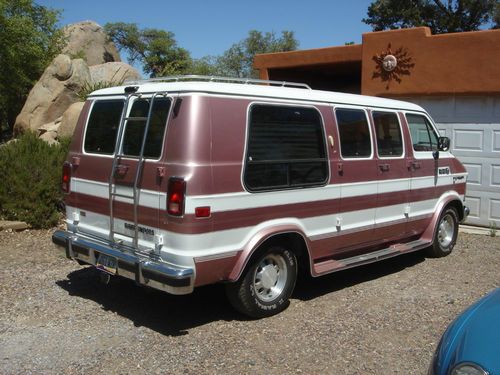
293,236
450,199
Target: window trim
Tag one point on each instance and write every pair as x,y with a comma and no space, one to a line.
245,150
123,99
400,130
353,107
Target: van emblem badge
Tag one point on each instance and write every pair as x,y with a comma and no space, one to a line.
390,66
444,171
140,229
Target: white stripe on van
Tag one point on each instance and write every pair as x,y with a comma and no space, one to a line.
178,247
245,200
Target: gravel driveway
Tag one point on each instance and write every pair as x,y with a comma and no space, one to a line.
385,318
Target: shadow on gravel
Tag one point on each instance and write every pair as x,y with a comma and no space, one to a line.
309,288
175,315
164,313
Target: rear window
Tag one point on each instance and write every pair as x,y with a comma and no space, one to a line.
100,136
104,120
286,148
134,129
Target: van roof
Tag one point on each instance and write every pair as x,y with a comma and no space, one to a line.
249,88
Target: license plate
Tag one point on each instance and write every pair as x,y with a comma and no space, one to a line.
106,263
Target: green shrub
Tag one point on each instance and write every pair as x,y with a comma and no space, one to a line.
30,179
90,87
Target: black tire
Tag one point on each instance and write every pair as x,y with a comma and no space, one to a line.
445,234
266,285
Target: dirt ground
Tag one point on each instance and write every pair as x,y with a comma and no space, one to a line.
385,318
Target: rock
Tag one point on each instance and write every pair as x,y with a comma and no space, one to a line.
88,40
50,137
13,225
62,68
56,90
69,120
50,127
116,72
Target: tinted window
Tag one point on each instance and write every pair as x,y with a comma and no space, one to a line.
354,133
423,136
100,136
285,148
134,130
389,140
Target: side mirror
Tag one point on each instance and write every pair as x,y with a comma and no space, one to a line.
443,143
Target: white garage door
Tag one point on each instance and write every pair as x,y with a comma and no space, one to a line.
473,125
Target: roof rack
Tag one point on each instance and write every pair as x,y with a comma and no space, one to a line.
248,81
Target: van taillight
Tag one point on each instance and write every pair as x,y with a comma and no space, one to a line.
175,196
66,177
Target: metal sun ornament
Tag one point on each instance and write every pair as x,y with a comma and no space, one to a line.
390,66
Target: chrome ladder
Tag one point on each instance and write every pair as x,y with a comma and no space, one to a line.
140,164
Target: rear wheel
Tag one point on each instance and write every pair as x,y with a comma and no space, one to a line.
266,285
445,234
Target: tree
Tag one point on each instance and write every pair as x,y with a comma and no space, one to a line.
440,16
496,16
160,55
29,40
155,49
237,61
206,66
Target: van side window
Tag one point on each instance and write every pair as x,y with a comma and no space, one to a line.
286,148
423,136
100,136
354,133
388,131
134,130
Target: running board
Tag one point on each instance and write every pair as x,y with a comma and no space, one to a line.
333,265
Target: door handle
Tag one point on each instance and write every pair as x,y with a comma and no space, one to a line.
384,167
412,165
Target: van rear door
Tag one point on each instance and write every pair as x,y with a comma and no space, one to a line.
134,181
105,197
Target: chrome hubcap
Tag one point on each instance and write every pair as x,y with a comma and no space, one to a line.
270,277
446,231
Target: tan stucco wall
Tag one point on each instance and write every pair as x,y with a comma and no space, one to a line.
458,63
310,57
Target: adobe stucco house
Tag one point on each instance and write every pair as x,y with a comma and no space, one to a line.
456,77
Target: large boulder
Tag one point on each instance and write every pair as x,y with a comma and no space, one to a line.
113,72
56,90
69,120
87,40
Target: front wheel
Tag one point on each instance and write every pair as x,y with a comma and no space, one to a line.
267,284
445,234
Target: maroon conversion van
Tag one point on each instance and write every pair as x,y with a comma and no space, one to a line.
186,181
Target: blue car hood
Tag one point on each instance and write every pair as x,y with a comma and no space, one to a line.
474,336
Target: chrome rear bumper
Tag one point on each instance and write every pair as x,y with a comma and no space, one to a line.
145,270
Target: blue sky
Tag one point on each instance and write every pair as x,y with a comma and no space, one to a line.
211,27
